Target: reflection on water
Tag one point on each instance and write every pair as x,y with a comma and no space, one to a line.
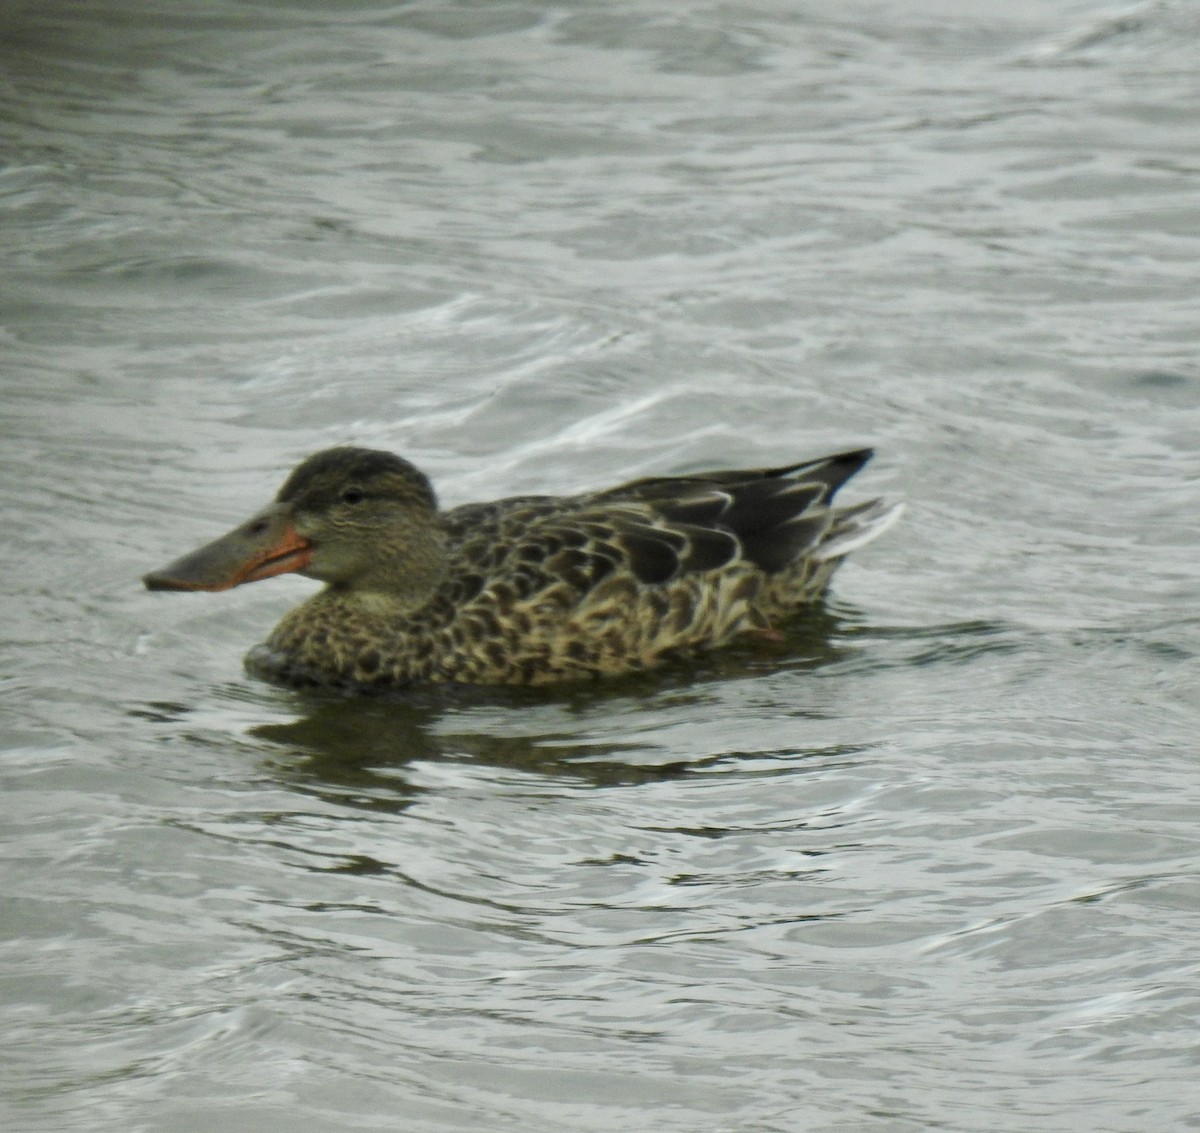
347,749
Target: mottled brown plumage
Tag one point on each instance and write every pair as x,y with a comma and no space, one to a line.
532,589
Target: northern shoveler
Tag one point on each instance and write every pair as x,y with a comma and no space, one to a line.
531,589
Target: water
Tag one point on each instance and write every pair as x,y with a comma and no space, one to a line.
933,867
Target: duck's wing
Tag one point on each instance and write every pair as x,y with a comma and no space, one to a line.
771,517
655,530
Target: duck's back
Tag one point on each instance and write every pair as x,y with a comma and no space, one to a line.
544,588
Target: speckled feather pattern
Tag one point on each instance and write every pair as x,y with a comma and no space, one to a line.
542,589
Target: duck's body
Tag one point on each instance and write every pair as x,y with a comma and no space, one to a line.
535,589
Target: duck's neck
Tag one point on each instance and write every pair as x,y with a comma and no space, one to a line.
400,578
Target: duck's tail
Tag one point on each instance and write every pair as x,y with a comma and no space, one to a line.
854,527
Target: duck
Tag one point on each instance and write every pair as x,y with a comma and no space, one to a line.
535,589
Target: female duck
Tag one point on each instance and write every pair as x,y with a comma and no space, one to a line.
532,589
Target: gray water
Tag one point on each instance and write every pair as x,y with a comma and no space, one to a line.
934,866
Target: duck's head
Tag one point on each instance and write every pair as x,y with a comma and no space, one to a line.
352,517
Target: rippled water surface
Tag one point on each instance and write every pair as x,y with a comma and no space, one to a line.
932,866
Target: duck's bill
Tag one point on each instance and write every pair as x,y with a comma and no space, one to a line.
262,547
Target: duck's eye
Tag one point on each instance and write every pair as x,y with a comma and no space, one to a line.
353,496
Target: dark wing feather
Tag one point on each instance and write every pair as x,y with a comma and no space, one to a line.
708,548
702,508
653,554
830,471
778,547
762,505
